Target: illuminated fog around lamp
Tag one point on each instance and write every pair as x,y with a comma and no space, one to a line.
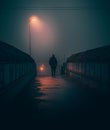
43,34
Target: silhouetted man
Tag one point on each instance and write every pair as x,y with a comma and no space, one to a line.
53,65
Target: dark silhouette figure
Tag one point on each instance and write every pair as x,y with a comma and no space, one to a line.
53,65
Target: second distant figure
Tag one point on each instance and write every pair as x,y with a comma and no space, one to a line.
53,65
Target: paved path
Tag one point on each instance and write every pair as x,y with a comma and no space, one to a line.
62,101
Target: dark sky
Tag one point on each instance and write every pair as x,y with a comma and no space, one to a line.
76,25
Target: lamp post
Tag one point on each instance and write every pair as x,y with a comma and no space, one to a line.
32,19
29,38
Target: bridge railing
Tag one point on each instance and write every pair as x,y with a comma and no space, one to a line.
14,66
93,65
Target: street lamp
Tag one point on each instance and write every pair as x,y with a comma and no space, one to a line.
32,19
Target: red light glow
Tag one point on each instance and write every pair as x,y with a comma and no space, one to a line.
42,68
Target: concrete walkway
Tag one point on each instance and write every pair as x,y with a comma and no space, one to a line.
61,102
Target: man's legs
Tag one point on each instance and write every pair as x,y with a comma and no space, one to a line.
52,72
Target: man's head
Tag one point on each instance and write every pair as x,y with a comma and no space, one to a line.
53,55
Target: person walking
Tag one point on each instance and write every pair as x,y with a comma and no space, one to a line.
53,65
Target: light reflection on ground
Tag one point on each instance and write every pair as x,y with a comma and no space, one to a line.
51,91
58,98
59,101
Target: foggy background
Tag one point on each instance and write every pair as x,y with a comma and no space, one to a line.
71,26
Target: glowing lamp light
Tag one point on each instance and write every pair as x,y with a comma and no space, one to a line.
42,68
33,19
35,23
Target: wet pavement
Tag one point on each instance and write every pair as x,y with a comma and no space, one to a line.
58,102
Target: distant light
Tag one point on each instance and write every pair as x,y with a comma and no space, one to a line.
42,68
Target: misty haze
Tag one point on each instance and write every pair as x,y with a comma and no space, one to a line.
54,64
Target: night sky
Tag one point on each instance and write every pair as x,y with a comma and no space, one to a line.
71,26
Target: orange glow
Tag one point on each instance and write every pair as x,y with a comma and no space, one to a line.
35,23
43,32
33,19
42,68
